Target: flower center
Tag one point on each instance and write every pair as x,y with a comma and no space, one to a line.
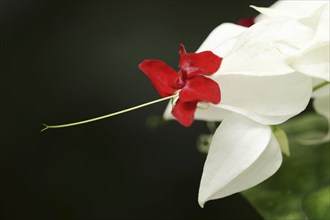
182,79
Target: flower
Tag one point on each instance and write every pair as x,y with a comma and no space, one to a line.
259,88
190,82
244,152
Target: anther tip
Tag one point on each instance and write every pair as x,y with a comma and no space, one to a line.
45,128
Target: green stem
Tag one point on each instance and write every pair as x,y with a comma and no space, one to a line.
320,85
108,115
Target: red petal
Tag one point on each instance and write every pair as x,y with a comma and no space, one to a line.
162,76
184,112
205,63
246,22
201,88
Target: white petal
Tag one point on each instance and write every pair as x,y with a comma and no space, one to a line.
312,14
221,40
242,154
311,55
319,22
264,48
167,113
313,60
291,9
267,100
211,113
314,63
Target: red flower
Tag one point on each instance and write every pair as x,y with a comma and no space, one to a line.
190,83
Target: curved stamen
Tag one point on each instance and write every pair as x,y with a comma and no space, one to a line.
108,115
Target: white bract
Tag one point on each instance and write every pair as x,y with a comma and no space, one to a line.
312,58
261,84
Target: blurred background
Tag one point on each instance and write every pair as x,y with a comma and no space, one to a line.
69,61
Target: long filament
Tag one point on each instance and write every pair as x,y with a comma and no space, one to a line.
108,115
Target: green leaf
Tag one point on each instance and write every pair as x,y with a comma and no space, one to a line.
311,204
300,189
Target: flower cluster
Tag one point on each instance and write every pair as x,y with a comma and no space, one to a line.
269,69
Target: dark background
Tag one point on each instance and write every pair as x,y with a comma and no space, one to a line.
69,61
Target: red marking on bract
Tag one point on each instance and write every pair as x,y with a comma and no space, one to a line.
190,80
246,22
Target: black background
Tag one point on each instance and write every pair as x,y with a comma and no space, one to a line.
69,61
